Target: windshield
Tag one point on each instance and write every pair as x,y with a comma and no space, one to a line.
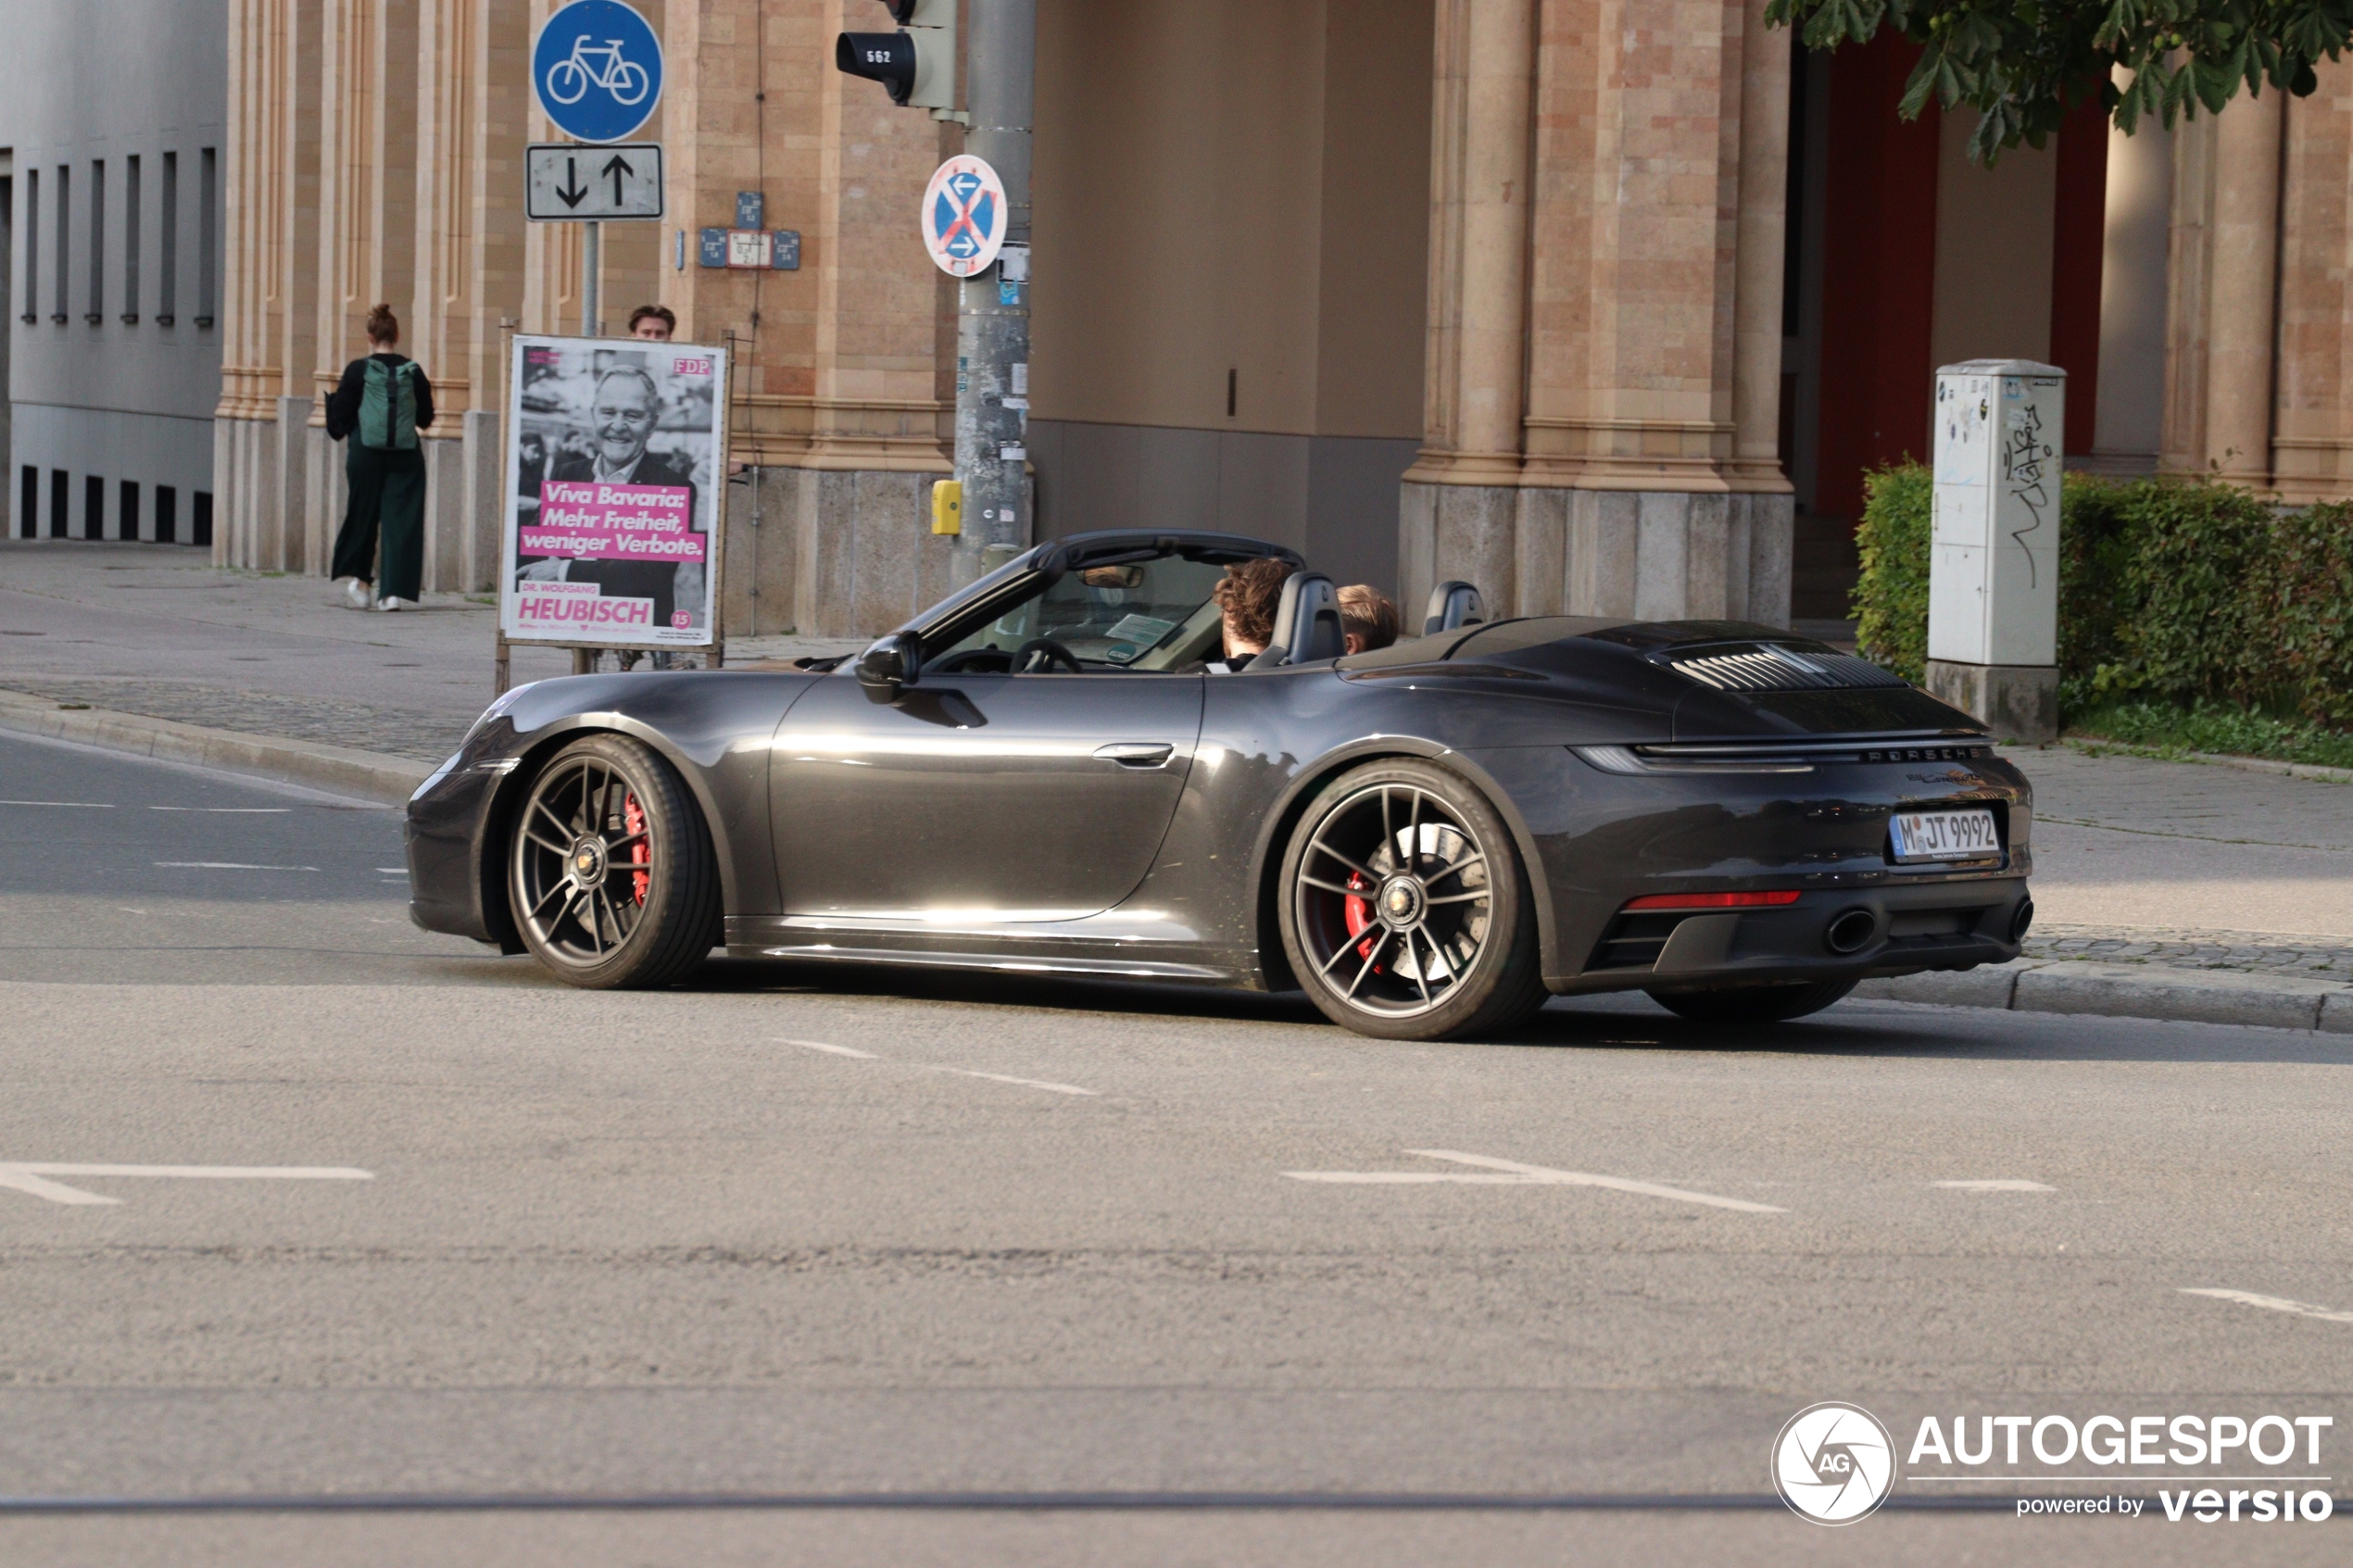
1154,615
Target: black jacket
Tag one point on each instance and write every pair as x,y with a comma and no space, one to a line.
343,403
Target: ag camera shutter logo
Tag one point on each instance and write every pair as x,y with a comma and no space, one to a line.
1834,1463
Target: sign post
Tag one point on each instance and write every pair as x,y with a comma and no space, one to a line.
597,70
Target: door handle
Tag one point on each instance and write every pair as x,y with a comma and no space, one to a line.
1136,753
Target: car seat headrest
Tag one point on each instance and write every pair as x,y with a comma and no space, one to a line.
1307,624
1453,606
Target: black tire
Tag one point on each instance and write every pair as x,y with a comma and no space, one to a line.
1754,1004
1407,866
609,870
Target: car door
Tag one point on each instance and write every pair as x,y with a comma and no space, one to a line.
979,798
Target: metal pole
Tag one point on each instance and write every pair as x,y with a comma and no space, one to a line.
993,328
592,256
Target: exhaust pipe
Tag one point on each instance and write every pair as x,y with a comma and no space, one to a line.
2023,921
1851,932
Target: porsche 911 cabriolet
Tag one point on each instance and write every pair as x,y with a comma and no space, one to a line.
1052,773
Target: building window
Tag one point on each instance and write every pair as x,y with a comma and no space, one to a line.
126,517
166,515
65,221
168,285
200,516
57,502
208,237
29,503
94,507
131,216
31,252
97,311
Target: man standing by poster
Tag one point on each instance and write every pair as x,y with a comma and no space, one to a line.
626,408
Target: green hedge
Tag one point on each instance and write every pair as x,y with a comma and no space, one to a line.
2178,591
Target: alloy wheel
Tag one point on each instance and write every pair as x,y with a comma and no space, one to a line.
584,857
1392,900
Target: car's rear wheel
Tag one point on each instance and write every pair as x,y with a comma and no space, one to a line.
1405,911
610,872
1754,1004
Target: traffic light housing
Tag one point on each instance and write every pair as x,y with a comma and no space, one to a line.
915,65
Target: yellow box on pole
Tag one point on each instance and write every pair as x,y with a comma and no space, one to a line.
947,506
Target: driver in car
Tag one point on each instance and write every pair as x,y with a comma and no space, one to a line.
1249,596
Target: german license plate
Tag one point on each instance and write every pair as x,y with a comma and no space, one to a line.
1946,835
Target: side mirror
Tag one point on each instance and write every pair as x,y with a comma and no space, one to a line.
889,663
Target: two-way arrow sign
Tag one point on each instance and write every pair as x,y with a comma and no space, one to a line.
626,185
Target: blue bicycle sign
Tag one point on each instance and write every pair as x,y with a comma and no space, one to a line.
596,69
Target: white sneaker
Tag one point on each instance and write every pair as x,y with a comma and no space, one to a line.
389,602
355,594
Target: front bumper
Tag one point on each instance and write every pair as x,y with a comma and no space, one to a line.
448,822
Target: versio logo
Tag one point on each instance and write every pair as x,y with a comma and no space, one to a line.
1834,1463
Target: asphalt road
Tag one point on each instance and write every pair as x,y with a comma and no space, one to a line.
792,1234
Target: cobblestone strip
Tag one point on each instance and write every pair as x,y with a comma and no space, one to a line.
2318,958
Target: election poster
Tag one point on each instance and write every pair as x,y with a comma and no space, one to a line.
616,466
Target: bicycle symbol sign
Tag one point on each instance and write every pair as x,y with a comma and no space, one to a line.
598,70
964,216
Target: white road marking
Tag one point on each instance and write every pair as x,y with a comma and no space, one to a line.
393,871
1997,1183
1001,1078
230,810
228,866
1514,1173
928,1067
830,1051
65,805
2274,1304
27,1176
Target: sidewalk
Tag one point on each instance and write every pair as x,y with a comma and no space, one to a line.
153,630
2163,889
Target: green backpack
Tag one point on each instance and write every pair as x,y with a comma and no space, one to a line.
388,407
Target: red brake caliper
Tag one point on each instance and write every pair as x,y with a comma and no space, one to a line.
1358,911
632,821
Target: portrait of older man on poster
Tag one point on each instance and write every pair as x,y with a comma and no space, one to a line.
622,411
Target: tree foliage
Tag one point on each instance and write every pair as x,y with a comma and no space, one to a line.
2022,64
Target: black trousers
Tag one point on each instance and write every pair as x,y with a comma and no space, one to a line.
387,496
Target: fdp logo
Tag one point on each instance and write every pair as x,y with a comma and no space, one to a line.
1834,1463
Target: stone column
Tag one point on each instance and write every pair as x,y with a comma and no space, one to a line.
2246,300
1650,255
2223,299
468,264
1764,503
1459,505
268,203
2312,439
843,396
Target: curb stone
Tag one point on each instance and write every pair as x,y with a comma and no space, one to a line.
2092,746
335,767
2187,996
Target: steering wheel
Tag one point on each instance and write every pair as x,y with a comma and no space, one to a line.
1039,654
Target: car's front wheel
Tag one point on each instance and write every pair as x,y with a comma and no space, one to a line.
1405,911
610,872
1754,1004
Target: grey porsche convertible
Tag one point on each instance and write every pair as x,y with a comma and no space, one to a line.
1052,772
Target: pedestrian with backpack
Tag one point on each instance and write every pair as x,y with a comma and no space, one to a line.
380,402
